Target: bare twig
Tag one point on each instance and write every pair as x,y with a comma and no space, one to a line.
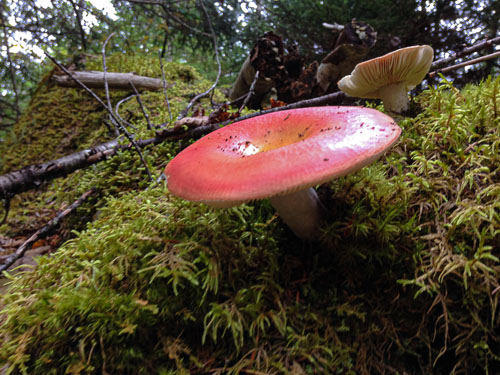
117,113
203,94
465,63
31,177
251,91
81,84
165,86
106,88
138,97
179,21
78,13
110,111
42,232
164,44
467,51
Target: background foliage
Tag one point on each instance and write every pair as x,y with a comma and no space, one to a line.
404,279
70,28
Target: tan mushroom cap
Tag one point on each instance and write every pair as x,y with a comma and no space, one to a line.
406,66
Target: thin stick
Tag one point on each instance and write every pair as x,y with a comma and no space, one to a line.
42,232
106,88
92,93
203,94
138,97
465,63
6,206
165,87
251,91
117,113
120,126
176,19
465,52
30,177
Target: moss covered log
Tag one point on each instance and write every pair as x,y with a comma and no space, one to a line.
404,279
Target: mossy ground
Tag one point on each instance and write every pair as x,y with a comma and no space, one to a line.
404,279
60,121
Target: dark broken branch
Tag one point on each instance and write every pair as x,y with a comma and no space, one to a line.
117,81
42,232
31,177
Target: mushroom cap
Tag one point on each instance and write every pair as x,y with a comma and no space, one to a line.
279,153
407,66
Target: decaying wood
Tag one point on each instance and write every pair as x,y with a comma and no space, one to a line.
267,58
351,47
191,122
117,81
284,77
44,230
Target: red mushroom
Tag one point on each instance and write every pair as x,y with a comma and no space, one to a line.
281,156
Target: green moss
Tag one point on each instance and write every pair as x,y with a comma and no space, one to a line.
405,277
60,121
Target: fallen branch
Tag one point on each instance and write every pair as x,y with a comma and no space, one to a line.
109,109
31,177
465,63
466,51
116,81
44,230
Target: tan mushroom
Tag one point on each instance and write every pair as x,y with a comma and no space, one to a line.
389,77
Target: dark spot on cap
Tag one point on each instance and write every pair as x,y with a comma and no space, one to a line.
325,159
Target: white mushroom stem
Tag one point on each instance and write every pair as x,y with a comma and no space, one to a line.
395,97
301,211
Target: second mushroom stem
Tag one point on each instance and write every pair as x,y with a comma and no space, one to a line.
301,211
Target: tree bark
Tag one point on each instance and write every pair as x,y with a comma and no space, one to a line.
285,77
267,58
351,47
117,81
